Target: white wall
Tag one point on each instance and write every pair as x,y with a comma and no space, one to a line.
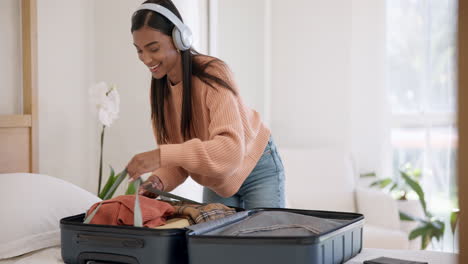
325,84
195,15
116,61
10,57
76,49
311,72
308,65
67,142
370,126
240,42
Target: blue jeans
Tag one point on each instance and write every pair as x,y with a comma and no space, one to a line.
264,187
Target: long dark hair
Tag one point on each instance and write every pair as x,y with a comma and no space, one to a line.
159,88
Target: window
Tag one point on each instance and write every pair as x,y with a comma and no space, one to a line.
421,80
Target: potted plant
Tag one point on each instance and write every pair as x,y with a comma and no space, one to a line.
107,101
422,223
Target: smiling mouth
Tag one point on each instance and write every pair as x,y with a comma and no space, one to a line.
154,68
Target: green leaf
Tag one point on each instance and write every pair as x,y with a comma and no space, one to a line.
416,188
394,186
426,239
385,182
381,183
425,232
437,224
439,229
369,174
430,229
417,173
112,171
454,220
420,231
119,178
109,183
406,217
131,189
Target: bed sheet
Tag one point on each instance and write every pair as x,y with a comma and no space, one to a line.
50,255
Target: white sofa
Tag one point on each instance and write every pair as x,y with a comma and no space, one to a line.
325,179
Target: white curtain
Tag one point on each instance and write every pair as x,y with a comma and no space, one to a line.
421,70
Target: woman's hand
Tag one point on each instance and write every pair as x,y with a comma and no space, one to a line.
154,182
143,163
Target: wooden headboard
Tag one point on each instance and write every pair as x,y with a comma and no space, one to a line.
18,133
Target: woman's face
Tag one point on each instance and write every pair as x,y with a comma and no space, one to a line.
157,51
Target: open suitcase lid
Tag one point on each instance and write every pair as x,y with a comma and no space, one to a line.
210,230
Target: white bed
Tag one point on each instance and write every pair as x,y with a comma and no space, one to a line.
43,256
32,206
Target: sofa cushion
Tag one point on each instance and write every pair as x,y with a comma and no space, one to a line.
319,179
378,208
378,237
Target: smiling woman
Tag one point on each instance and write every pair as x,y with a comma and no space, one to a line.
200,122
161,56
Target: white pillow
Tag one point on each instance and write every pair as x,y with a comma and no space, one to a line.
32,206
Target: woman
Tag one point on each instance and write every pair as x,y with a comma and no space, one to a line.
202,127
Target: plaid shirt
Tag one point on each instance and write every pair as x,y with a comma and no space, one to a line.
196,214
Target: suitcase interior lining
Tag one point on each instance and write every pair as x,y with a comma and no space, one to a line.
264,223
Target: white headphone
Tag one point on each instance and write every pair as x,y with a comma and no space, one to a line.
181,34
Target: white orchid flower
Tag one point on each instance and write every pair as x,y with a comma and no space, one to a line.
107,100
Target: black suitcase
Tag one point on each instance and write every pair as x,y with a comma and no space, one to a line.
135,245
89,243
83,243
332,246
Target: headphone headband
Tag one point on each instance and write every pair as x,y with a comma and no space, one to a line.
165,12
181,34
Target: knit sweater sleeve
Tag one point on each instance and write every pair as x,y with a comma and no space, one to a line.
222,153
171,177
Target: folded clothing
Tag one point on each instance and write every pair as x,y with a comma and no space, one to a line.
277,223
196,213
119,211
174,223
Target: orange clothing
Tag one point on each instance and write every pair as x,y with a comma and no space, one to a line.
119,211
229,137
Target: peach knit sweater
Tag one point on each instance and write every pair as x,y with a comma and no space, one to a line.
229,138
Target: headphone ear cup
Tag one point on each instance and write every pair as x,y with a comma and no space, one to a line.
177,39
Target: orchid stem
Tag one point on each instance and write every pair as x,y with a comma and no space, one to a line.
100,160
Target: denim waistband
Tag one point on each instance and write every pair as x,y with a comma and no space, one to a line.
271,143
